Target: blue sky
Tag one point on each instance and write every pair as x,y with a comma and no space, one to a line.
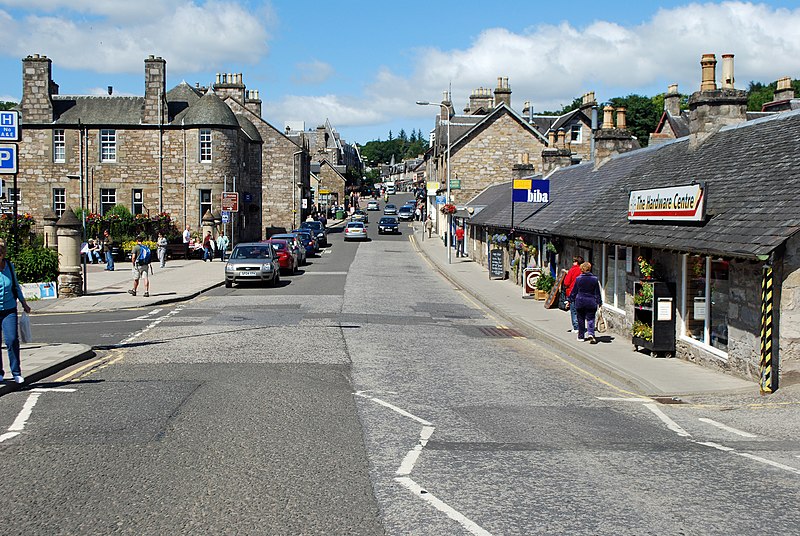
362,64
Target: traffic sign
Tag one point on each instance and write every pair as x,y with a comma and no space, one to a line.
8,159
230,201
9,125
226,216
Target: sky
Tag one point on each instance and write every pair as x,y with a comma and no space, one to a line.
362,64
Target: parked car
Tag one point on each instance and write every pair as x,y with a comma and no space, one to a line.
286,257
316,227
297,246
388,224
373,205
252,261
406,213
390,210
308,241
355,230
360,215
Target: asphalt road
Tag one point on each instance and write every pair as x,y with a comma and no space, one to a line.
368,395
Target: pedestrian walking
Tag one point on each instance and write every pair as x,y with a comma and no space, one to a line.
569,283
140,258
428,226
586,298
187,238
108,250
222,245
418,214
162,249
460,241
208,249
10,293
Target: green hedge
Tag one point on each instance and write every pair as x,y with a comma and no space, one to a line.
36,265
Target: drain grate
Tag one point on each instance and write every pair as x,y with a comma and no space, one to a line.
667,399
489,331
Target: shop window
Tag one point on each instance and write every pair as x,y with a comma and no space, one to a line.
108,199
614,275
707,290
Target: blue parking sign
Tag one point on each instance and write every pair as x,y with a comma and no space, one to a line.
226,216
9,125
8,159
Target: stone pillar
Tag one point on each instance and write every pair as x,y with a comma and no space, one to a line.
208,224
70,277
50,236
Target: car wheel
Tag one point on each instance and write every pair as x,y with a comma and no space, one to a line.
228,283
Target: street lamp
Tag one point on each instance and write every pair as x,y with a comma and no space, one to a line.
447,198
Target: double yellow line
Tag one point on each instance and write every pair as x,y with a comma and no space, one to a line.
114,356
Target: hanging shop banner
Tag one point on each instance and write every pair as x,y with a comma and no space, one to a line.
531,191
680,203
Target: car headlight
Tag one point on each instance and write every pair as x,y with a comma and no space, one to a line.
266,267
228,267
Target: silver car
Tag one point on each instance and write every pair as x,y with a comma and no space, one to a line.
252,261
355,230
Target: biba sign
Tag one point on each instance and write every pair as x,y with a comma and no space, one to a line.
681,203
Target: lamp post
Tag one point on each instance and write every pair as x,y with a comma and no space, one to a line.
447,198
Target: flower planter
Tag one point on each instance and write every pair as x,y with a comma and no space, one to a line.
541,294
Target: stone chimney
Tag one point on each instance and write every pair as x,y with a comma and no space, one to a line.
672,101
480,98
448,104
784,91
502,93
253,102
710,109
610,139
322,140
37,90
588,100
155,109
523,167
557,154
230,85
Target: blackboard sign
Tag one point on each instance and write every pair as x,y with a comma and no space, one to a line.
550,302
497,269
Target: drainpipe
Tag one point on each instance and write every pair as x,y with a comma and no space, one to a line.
185,215
161,152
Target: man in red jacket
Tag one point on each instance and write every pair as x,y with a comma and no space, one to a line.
569,283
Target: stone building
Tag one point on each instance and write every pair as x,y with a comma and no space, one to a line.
170,151
719,226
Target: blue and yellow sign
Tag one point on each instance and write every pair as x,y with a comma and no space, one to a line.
531,191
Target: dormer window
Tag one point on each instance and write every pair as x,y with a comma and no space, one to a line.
575,134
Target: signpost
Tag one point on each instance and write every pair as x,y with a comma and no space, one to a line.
528,190
230,202
8,159
530,276
9,125
226,217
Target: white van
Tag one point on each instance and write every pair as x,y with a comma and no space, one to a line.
390,190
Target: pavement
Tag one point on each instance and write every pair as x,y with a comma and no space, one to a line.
183,280
613,355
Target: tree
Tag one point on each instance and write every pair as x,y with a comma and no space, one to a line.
642,115
576,103
7,105
402,135
390,136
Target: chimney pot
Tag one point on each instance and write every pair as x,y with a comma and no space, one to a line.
608,119
499,81
672,89
110,90
784,83
562,135
621,124
708,64
727,71
551,138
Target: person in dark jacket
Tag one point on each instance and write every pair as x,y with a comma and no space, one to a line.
586,298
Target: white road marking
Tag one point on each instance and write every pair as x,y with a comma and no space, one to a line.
8,435
402,412
612,399
769,462
53,390
151,325
307,272
25,413
443,507
726,427
411,458
672,425
717,446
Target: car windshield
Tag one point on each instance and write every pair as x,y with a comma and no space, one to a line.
388,220
251,252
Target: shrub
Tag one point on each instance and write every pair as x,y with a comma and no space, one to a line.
36,265
545,282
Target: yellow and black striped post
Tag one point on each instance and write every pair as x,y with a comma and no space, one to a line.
768,376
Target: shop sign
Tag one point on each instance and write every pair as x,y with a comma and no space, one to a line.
680,203
432,187
529,279
531,191
455,184
324,191
441,199
497,269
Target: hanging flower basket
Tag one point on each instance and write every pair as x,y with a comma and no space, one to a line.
448,208
645,268
499,239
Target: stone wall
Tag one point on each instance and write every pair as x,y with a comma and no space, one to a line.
330,179
487,158
788,274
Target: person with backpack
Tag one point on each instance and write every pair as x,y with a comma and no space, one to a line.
141,257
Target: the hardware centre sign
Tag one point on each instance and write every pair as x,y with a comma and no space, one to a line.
680,203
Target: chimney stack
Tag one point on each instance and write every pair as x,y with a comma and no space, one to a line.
502,93
672,101
38,88
710,109
610,140
784,91
155,109
253,102
480,98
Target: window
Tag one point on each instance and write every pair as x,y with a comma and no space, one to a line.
205,146
59,201
575,134
706,291
59,147
137,204
108,199
205,202
614,275
108,145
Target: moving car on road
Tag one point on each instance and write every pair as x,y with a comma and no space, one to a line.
388,224
406,213
373,205
390,210
355,230
252,261
308,241
360,215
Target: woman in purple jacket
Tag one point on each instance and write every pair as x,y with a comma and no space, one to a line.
586,298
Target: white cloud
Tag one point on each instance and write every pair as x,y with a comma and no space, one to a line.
8,98
192,36
314,110
314,72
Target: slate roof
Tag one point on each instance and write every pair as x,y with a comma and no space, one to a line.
249,128
90,110
209,110
181,97
752,176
